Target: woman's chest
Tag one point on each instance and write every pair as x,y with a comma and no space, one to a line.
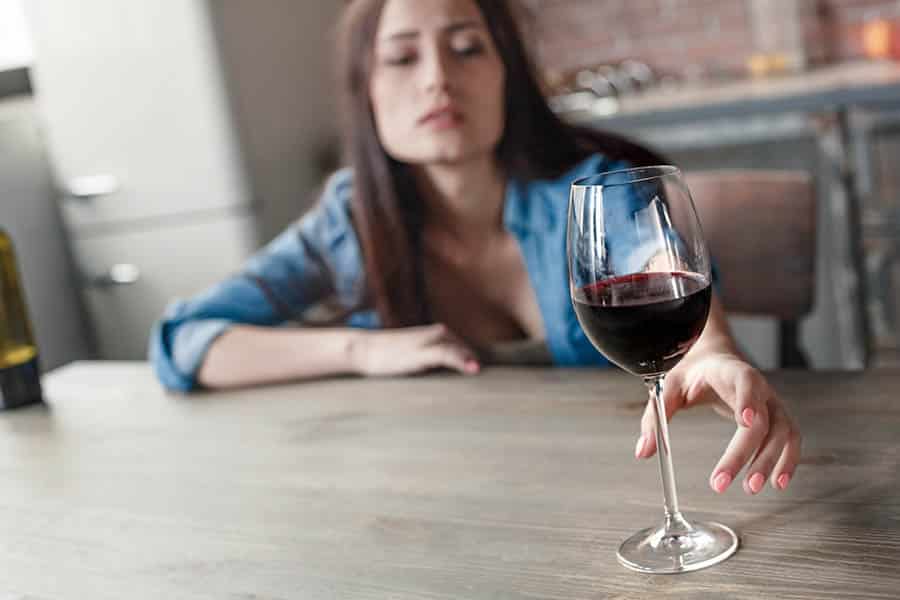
484,296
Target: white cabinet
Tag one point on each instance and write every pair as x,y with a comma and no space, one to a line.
157,266
146,156
134,91
179,130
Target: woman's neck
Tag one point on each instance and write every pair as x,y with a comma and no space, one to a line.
464,200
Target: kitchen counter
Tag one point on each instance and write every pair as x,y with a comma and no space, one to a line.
826,87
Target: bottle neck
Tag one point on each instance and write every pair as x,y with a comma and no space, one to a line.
16,339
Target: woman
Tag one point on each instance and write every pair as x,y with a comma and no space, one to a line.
445,239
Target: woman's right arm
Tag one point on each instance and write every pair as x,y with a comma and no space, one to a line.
248,355
227,336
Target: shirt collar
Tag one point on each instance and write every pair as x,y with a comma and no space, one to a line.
537,206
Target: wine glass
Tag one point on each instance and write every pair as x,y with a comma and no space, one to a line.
639,277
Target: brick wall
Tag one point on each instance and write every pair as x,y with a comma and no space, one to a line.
848,17
713,36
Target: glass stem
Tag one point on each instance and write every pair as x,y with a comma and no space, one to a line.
675,523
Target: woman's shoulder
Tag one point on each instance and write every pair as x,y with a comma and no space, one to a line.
338,188
592,165
540,203
327,221
332,211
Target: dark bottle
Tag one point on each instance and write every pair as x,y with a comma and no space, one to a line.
20,382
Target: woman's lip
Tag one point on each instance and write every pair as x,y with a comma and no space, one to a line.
442,117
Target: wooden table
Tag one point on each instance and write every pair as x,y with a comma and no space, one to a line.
514,484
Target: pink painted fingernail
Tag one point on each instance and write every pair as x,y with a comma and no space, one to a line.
472,366
721,482
748,415
783,480
756,482
639,448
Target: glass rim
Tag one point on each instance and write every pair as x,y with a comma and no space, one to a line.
658,172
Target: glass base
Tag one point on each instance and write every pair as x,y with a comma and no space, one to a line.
699,546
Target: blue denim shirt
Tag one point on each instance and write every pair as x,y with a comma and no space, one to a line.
318,260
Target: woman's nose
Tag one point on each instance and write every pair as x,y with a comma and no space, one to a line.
438,71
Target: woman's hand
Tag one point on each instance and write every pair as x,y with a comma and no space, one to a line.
411,350
766,438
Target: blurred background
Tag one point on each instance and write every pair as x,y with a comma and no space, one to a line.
147,148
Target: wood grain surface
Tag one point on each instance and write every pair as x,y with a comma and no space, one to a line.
517,484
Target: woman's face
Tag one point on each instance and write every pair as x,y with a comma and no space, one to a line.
437,86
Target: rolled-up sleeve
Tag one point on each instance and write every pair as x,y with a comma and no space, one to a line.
315,260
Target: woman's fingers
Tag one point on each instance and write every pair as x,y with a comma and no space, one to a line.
763,465
788,461
745,390
673,398
646,444
440,347
415,349
451,356
766,439
743,447
440,334
431,334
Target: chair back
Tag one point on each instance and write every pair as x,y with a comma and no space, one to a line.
761,231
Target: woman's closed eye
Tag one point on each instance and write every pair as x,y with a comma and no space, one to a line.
469,49
400,60
464,50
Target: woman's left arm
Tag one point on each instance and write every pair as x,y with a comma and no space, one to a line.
766,440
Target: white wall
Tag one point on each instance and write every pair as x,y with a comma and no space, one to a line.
15,43
28,212
277,57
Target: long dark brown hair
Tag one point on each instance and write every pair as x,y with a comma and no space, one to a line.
386,211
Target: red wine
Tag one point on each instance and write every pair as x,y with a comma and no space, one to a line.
644,322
